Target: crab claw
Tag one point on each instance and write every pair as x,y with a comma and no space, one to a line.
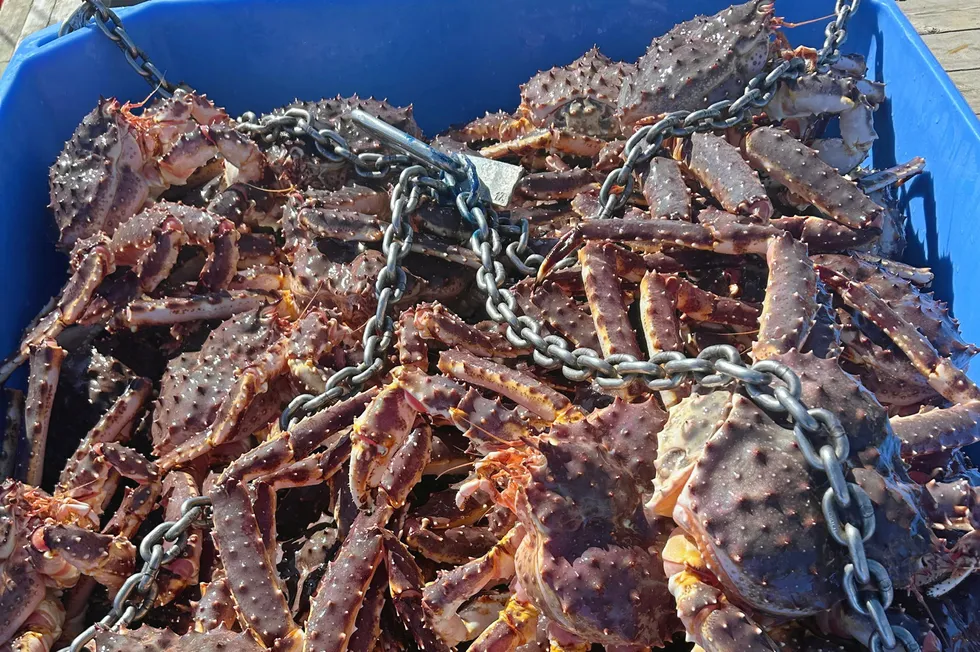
108,559
566,244
379,434
966,560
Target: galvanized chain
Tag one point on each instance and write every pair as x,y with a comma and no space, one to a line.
647,140
836,31
110,24
297,121
379,331
866,582
137,594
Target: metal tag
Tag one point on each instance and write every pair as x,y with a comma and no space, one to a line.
500,178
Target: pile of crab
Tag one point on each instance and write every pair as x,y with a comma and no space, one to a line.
465,497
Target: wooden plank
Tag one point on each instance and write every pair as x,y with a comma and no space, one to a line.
38,17
63,9
956,50
13,13
968,81
938,16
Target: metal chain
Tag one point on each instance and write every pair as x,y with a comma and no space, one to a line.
110,24
137,593
297,121
836,31
866,582
379,331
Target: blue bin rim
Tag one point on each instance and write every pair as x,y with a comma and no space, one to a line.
48,38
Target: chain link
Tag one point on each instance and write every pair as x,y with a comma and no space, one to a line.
379,331
836,31
138,593
110,24
297,122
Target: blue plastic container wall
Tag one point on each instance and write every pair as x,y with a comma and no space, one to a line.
453,60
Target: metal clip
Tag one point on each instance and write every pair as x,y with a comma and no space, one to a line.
493,181
412,146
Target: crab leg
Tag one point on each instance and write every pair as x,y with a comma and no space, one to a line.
791,299
136,505
952,383
300,440
377,436
405,584
90,474
547,139
442,598
722,170
521,388
45,369
485,422
338,599
938,430
800,169
178,487
434,322
822,235
454,545
367,626
216,607
676,232
556,185
150,242
314,469
251,571
547,302
893,176
710,619
929,315
12,433
178,310
607,302
94,267
824,338
407,465
665,191
921,276
516,624
658,314
254,381
411,346
43,627
70,549
704,306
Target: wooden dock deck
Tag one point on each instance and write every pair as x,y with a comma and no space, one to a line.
951,28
